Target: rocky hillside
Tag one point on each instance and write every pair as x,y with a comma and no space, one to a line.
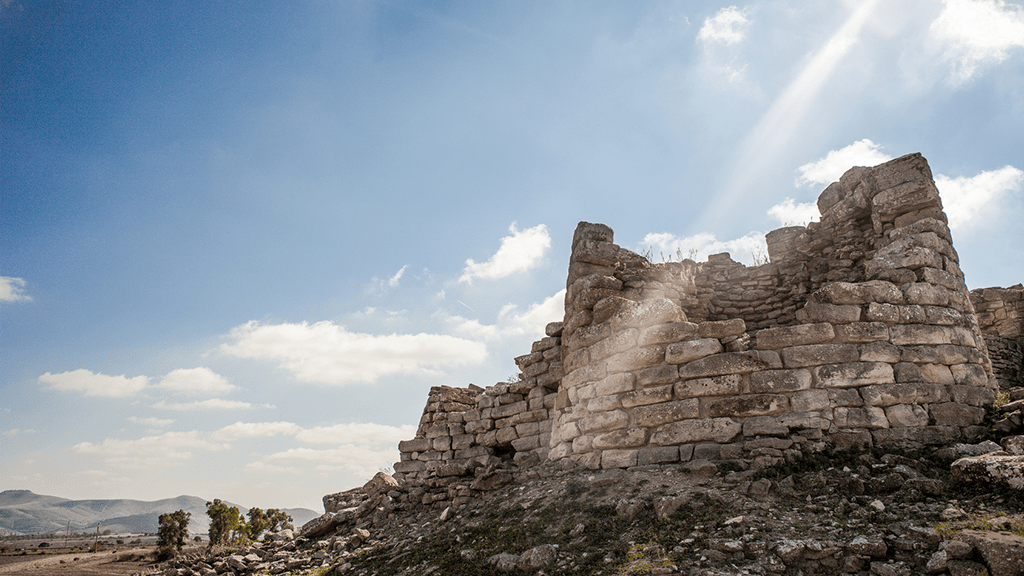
838,512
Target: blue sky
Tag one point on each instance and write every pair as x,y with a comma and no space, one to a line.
239,241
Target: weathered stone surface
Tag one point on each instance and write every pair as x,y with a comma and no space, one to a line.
719,364
775,381
852,374
859,293
906,415
604,421
1003,552
798,335
646,313
636,359
697,430
904,393
865,417
819,354
667,333
624,438
722,328
714,386
835,314
658,414
646,396
860,332
690,350
748,405
618,458
959,415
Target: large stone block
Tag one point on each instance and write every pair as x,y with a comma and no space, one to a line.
747,405
667,333
614,384
915,436
818,354
718,430
938,373
905,393
879,352
973,395
624,438
604,422
614,344
618,458
690,350
657,455
664,374
958,415
906,415
719,364
905,197
861,332
859,293
775,381
833,313
715,386
798,335
917,334
590,335
647,313
588,373
911,259
925,294
636,359
864,417
658,414
809,400
414,445
722,328
645,396
852,374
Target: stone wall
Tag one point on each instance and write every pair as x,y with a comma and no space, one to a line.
1000,314
858,331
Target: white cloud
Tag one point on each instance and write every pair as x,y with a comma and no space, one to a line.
151,451
976,31
13,290
361,461
19,432
727,26
264,468
519,252
967,201
327,353
155,422
211,404
196,381
793,213
255,430
744,249
95,384
511,323
828,169
363,433
393,281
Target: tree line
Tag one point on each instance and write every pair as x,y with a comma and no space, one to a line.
227,526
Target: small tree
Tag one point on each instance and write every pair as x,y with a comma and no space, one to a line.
278,519
172,533
258,523
224,520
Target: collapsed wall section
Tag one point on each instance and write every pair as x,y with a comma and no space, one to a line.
1000,314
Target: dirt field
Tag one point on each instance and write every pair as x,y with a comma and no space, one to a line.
120,562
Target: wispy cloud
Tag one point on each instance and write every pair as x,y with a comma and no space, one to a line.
828,169
196,381
793,213
698,246
92,384
13,290
255,430
356,433
17,432
967,200
977,31
727,26
151,421
325,352
170,448
521,251
393,281
211,404
511,322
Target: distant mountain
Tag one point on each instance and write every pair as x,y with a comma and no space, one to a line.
24,512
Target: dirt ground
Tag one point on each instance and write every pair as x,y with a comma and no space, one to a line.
107,563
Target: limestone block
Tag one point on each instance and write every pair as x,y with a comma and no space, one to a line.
436,430
908,372
636,359
560,451
657,455
553,329
604,422
992,468
463,441
582,444
617,342
747,405
912,259
864,417
590,460
798,335
844,397
808,420
618,458
907,393
905,197
888,313
564,432
577,359
809,400
719,430
647,313
664,374
658,414
859,293
545,344
720,364
608,307
527,443
715,386
906,415
602,253
533,370
775,381
879,352
938,373
836,314
690,350
764,426
667,333
972,394
615,384
852,374
771,358
509,409
909,437
818,354
959,415
589,373
830,197
603,403
943,316
646,396
414,445
624,438
505,435
410,466
861,332
590,335
947,354
722,328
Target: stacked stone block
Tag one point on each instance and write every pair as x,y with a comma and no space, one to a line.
1000,314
